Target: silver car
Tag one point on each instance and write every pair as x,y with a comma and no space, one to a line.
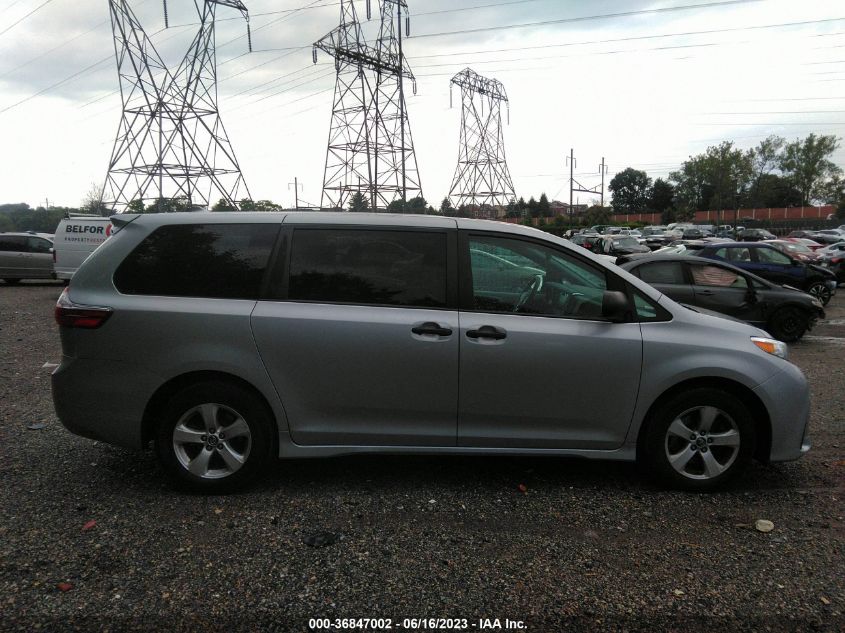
228,340
26,256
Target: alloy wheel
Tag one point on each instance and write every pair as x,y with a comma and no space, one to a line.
702,442
212,441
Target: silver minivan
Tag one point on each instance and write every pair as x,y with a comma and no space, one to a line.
26,255
227,340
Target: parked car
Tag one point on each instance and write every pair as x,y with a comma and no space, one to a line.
26,255
832,249
826,238
77,236
682,247
811,244
617,245
228,339
795,249
783,312
771,264
801,234
587,240
692,233
755,235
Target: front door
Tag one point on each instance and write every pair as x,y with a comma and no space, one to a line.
360,338
724,290
539,367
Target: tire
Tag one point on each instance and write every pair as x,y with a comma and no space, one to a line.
12,282
820,291
704,459
241,446
788,324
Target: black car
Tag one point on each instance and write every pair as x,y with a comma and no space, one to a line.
617,245
785,313
587,240
755,235
775,266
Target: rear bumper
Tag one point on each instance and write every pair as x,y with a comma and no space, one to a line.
103,399
787,399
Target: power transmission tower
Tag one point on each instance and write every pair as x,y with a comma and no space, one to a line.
171,146
370,148
482,176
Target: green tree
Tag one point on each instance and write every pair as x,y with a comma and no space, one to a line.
630,189
544,207
765,159
597,215
661,196
136,206
533,208
358,203
93,201
717,179
807,163
224,205
446,207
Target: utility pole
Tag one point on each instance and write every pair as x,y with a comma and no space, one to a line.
574,185
571,161
603,170
296,186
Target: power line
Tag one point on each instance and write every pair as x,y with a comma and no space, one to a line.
585,18
637,38
14,24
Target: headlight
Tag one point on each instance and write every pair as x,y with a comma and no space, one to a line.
771,346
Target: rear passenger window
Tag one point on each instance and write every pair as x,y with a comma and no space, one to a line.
13,244
662,273
401,268
215,261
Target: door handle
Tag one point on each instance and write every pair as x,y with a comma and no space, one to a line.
705,293
488,331
431,328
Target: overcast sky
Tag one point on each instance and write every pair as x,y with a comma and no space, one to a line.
645,90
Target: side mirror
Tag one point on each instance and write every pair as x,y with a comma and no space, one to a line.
614,306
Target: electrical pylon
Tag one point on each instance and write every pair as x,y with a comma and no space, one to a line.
370,149
171,151
482,177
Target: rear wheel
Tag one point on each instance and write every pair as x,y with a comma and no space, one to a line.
699,439
788,324
12,282
215,437
820,291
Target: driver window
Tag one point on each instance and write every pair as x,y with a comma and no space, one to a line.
716,276
524,277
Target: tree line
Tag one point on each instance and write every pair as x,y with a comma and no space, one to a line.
775,173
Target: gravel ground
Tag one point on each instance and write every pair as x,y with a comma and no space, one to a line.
586,545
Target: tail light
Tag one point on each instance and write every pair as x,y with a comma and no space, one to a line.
74,315
837,260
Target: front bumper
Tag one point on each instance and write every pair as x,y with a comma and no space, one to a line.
786,397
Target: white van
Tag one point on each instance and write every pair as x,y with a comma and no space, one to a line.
76,238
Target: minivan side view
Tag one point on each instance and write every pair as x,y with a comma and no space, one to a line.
229,340
26,256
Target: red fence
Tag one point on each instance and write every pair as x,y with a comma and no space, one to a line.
726,216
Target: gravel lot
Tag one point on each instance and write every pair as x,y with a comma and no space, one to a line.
586,545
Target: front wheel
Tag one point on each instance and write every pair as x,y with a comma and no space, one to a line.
789,324
215,437
820,291
699,439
